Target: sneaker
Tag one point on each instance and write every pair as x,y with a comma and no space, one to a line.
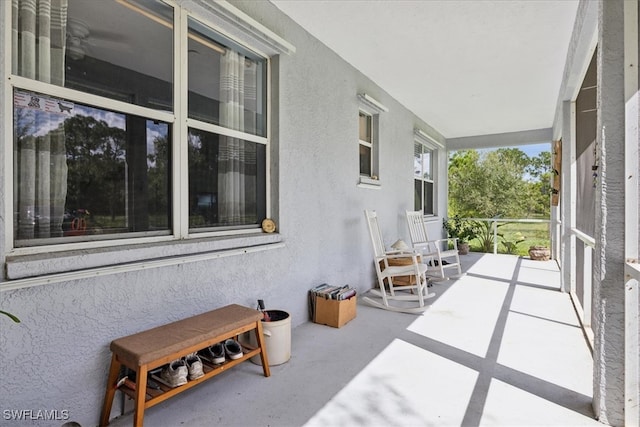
194,366
175,373
215,354
233,349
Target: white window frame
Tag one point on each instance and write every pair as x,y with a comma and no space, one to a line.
25,262
369,144
431,144
373,108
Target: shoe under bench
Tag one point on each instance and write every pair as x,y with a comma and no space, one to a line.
148,350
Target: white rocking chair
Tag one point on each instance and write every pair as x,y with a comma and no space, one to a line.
437,259
413,292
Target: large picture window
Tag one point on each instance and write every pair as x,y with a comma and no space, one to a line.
97,124
84,171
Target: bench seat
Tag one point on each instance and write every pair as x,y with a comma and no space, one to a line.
150,349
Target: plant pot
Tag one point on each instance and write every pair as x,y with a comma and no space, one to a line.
539,253
463,248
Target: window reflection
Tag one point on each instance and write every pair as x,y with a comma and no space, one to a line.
227,83
84,171
118,49
226,181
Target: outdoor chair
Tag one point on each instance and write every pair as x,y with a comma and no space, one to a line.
408,298
438,260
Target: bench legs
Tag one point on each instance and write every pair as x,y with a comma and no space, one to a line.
263,348
141,382
114,371
141,392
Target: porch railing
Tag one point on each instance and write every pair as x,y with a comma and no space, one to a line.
493,223
583,303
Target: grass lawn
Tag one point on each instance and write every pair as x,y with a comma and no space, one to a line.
535,234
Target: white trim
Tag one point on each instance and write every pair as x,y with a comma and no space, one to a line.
366,182
370,105
89,99
180,160
570,191
586,239
231,20
632,270
426,139
508,139
135,266
6,111
210,127
631,218
268,168
588,332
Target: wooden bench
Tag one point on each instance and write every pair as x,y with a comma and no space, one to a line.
148,350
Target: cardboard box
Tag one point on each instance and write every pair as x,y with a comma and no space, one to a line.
333,312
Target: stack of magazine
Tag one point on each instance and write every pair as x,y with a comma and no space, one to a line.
339,293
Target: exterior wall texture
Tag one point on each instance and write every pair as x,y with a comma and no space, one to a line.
609,260
600,22
58,357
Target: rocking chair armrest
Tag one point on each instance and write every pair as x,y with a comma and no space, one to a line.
401,254
448,239
427,245
421,245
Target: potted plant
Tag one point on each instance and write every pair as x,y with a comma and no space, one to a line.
460,229
539,253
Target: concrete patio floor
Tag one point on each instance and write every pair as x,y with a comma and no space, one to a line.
500,346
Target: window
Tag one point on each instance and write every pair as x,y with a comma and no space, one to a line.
366,144
227,170
424,172
99,127
368,139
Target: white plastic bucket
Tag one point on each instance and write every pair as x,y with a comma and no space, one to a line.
277,337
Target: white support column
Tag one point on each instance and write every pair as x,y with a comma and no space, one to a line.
588,288
568,197
632,140
608,260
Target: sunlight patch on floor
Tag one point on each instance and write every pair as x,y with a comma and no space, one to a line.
510,406
545,304
465,315
548,350
541,273
495,266
403,385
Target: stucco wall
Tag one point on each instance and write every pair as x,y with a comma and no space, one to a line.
608,288
57,358
600,22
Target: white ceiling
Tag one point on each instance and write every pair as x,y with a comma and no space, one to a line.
466,68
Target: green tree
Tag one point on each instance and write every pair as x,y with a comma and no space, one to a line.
96,162
540,173
502,183
487,184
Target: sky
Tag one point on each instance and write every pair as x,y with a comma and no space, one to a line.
535,149
531,150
